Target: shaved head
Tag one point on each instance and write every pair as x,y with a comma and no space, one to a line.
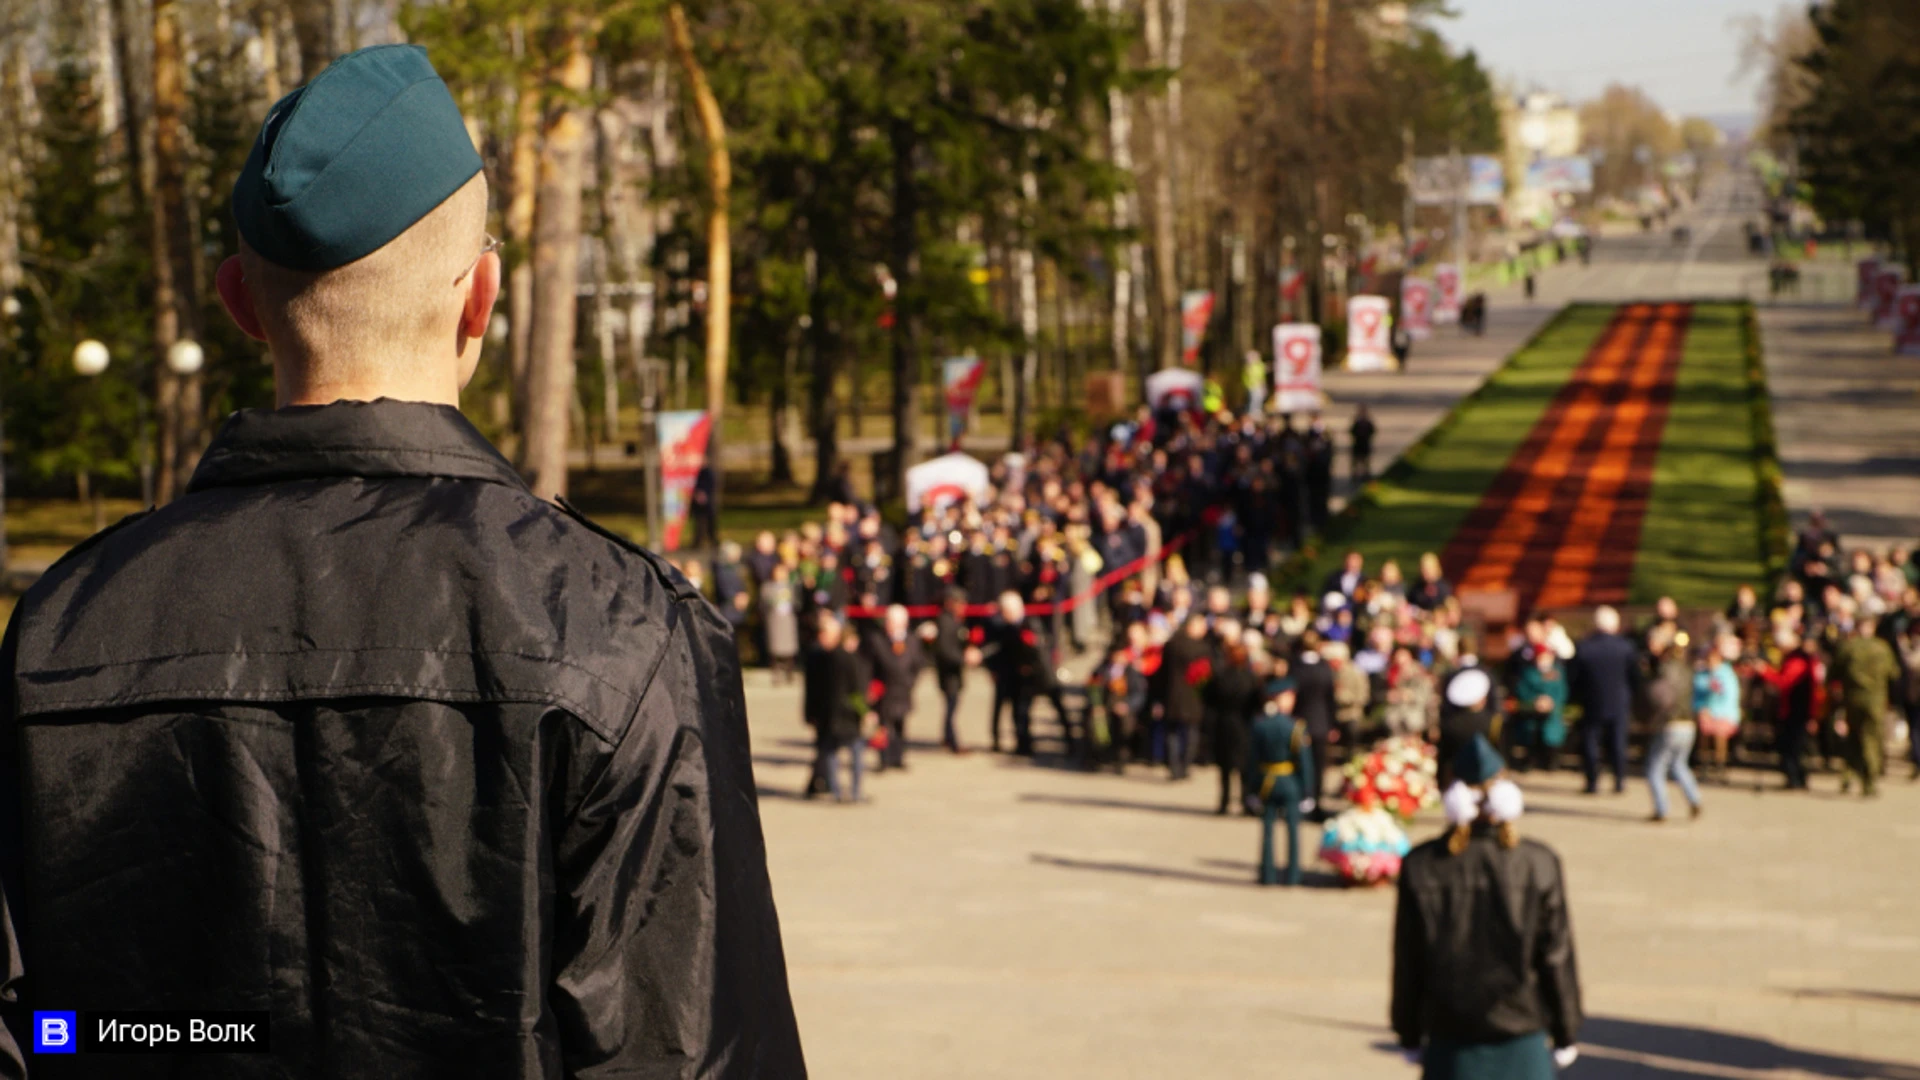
398,316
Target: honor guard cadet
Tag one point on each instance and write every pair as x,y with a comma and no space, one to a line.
360,731
1279,779
1485,985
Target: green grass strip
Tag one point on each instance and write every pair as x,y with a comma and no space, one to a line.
1418,503
1704,533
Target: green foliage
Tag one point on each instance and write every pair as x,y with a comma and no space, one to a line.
1858,131
83,266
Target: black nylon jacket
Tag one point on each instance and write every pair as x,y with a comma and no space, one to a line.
361,733
1483,945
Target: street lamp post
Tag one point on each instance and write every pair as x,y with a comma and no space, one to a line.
652,373
90,360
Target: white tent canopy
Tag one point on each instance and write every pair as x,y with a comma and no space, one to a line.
1175,388
946,479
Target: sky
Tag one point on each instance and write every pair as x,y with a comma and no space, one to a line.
1684,53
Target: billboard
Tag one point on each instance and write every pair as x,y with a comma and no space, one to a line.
1446,294
1416,307
1196,310
1561,176
1367,346
1438,181
960,376
1296,367
683,450
1906,326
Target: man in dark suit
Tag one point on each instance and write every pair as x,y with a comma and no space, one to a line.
895,658
1348,579
1605,676
1314,707
1186,664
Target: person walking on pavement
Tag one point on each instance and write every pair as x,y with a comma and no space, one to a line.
896,658
1279,779
847,680
1864,671
1486,985
1016,651
946,635
1671,700
361,725
1360,456
1605,676
1401,342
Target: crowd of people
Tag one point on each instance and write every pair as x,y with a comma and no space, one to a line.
1152,542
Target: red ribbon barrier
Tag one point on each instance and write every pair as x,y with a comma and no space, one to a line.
982,611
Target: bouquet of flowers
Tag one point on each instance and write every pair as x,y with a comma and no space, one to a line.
1399,776
1364,846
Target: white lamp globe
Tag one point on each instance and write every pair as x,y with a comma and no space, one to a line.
498,328
185,356
90,357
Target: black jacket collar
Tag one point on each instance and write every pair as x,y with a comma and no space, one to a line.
350,438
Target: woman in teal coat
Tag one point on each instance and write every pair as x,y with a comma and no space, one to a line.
1540,694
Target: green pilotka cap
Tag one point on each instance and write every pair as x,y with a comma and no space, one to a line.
351,160
1478,762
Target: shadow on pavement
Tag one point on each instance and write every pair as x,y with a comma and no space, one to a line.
1616,1049
1883,997
1310,879
1104,803
1629,817
1140,870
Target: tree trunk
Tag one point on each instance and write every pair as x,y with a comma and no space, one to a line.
523,173
176,398
313,33
906,301
556,266
823,406
781,473
267,17
713,131
1166,279
1027,281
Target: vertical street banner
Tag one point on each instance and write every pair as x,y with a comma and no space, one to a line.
1869,269
1196,310
1886,287
960,376
1906,329
1446,295
1367,346
1296,367
683,450
1416,307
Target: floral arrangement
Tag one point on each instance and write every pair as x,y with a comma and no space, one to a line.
1364,846
1399,776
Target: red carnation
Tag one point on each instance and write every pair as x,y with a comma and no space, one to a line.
976,635
1199,671
1027,637
876,690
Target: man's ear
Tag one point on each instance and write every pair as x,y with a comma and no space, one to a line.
231,282
483,290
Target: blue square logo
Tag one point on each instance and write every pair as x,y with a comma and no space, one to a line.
55,1032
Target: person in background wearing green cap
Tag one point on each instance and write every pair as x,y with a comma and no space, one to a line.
361,733
1865,669
1279,778
1484,974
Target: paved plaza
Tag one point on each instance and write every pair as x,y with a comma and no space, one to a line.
988,917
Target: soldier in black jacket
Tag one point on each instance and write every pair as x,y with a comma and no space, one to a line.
362,732
1484,975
